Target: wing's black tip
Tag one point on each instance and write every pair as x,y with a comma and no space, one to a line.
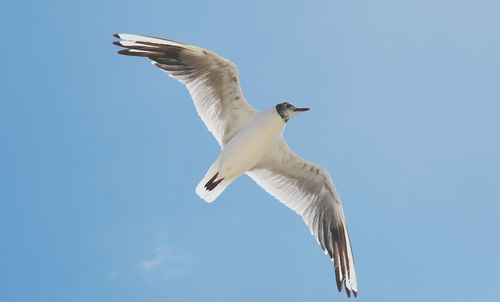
337,270
348,292
116,36
117,43
127,52
355,294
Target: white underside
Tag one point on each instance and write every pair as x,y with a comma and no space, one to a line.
243,152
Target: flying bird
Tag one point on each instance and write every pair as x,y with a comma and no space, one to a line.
252,143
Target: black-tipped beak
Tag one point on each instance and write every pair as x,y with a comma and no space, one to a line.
300,109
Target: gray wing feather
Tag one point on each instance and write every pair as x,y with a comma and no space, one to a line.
308,189
211,80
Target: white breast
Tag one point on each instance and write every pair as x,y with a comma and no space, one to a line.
251,143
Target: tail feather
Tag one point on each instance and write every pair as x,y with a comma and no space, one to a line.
212,183
210,187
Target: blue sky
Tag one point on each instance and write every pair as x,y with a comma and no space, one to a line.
100,153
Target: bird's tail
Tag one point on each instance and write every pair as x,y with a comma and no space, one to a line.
212,185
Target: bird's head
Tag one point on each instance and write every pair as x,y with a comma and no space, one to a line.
287,110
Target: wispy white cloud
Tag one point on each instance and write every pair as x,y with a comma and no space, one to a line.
166,262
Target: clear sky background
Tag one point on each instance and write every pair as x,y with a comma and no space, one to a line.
100,153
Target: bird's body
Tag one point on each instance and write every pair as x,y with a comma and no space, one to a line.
252,143
243,151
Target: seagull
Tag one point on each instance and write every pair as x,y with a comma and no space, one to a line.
252,143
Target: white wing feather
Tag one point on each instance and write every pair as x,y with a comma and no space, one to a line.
308,189
211,80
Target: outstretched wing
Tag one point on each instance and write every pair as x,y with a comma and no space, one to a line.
211,80
308,189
